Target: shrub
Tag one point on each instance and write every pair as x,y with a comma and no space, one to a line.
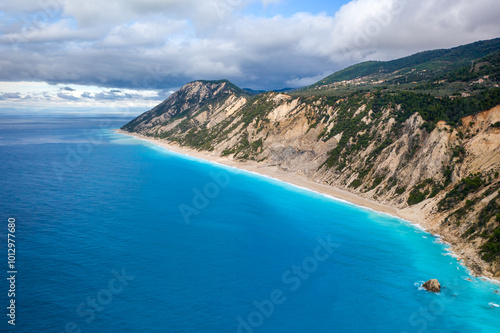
491,248
416,196
467,185
400,190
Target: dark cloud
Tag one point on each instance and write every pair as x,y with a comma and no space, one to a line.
68,97
114,95
68,89
4,96
165,44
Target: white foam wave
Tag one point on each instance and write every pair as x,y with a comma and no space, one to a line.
419,285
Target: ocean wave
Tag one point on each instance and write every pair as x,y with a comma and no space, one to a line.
490,280
419,285
493,305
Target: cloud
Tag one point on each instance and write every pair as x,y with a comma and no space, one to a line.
116,12
305,81
4,96
140,34
68,97
163,44
265,3
116,94
33,94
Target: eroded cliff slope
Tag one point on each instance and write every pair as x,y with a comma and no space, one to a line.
436,158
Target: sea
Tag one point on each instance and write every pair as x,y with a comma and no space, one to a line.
115,234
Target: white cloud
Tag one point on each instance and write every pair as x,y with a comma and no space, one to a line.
67,96
144,33
92,12
25,94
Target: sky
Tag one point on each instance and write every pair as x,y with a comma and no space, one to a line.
135,53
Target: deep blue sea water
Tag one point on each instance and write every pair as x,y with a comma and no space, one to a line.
114,234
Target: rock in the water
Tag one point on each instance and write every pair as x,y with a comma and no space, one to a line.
432,285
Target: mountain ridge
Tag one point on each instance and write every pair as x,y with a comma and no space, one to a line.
434,156
459,55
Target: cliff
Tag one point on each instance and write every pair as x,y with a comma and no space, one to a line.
434,156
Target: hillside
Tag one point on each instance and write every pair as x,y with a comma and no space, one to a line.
438,72
434,156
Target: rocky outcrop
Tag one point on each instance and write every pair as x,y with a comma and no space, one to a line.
432,286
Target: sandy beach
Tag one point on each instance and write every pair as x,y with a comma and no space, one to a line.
274,172
303,182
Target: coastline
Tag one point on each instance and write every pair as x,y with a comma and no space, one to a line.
275,173
305,183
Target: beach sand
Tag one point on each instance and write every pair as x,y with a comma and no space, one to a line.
411,216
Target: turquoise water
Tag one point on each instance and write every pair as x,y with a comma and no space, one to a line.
117,235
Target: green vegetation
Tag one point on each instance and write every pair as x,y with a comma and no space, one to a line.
423,66
491,249
227,152
421,192
491,210
433,109
356,183
350,126
430,108
369,116
352,72
257,145
256,109
488,66
400,190
416,196
377,182
467,185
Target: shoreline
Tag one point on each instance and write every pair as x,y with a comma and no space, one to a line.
302,182
275,173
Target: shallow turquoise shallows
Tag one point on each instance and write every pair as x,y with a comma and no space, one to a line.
117,235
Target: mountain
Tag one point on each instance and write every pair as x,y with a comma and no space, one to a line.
254,92
194,97
415,68
431,149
